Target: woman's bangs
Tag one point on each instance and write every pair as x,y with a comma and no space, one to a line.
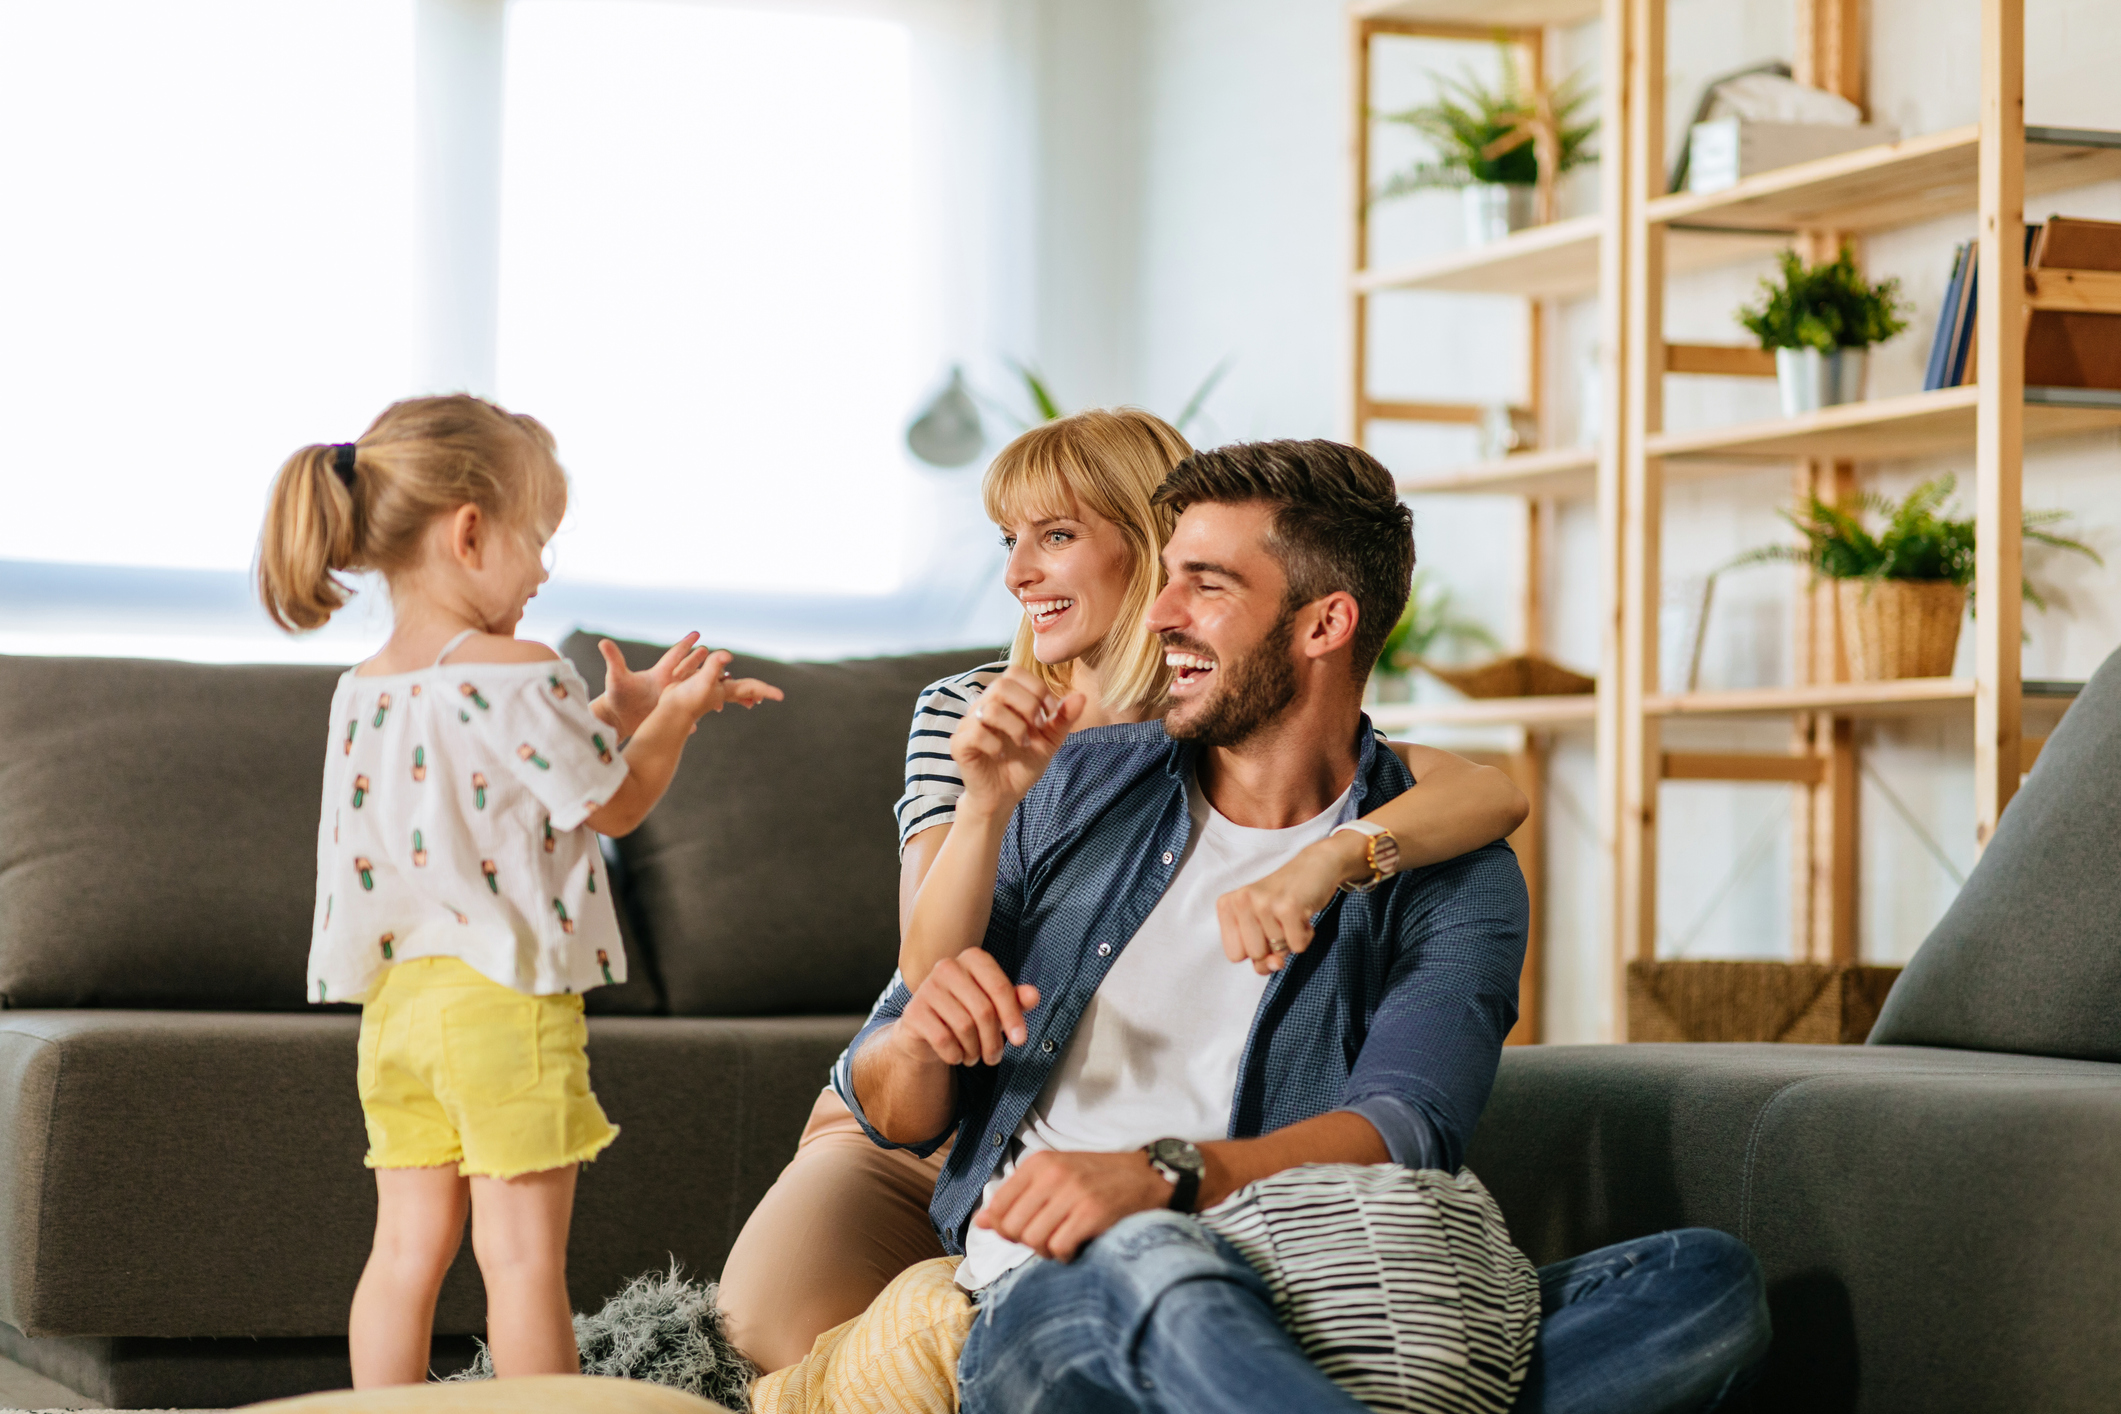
1028,489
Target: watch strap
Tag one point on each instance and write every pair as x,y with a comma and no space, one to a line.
1381,853
1183,1176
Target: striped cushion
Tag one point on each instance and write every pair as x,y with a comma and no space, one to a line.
1401,1284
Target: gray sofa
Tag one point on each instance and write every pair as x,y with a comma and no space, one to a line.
1938,1211
183,1210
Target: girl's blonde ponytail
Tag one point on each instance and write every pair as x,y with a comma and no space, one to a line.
420,459
312,527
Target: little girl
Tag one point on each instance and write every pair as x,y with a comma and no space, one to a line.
459,888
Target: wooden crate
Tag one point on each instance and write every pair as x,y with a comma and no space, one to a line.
1817,1003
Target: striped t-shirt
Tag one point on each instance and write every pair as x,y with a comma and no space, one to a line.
932,780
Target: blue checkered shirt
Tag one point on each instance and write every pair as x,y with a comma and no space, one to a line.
1397,1010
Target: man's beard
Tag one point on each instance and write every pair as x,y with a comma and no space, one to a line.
1255,690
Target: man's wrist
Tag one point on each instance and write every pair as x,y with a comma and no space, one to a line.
1215,1179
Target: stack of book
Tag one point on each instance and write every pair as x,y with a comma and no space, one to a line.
2065,351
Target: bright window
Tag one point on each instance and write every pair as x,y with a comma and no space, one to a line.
708,288
208,259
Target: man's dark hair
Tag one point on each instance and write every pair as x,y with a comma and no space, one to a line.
1338,524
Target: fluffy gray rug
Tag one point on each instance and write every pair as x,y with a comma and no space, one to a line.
664,1329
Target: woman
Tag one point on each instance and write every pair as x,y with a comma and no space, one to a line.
1073,500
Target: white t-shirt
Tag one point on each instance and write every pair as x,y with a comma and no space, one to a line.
1156,1051
452,826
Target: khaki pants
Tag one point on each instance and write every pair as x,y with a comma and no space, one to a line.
843,1219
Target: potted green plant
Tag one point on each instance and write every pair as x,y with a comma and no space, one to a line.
1503,147
1900,594
1431,623
1820,320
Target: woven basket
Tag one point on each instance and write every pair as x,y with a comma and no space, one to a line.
1521,676
1900,628
1817,1002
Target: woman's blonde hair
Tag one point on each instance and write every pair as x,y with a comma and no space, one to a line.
422,458
1109,461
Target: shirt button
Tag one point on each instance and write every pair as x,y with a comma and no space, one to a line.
997,1141
1167,856
1104,949
1046,1045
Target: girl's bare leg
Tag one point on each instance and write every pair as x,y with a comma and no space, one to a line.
519,1231
419,1226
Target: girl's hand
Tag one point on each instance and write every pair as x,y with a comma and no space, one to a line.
630,696
1006,740
711,688
1266,922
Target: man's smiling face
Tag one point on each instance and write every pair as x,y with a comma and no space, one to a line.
1226,631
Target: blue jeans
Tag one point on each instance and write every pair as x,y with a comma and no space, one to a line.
1160,1315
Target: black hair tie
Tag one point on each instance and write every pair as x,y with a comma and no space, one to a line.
343,464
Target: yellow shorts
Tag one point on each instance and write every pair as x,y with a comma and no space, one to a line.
458,1069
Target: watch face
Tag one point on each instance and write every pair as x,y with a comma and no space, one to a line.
1178,1154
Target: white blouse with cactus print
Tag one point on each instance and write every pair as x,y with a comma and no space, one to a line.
454,802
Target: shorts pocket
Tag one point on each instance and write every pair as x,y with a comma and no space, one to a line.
490,1045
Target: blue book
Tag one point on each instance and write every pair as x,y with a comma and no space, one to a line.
1970,309
1947,313
1963,326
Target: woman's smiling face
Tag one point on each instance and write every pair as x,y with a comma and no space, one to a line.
1070,571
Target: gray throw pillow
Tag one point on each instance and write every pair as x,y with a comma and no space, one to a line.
767,880
2028,957
158,827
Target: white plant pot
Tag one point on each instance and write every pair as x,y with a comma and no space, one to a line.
1494,209
1811,380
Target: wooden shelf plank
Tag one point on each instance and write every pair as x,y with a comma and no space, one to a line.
1557,261
1916,424
1486,712
1902,697
1565,473
1877,188
1482,15
1553,261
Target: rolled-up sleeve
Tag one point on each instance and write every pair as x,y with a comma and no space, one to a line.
1428,1062
1002,923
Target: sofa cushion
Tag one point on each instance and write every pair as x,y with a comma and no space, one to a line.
767,880
2028,957
199,1173
158,827
1936,1226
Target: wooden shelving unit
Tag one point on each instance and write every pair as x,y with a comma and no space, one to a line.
1878,188
1557,261
1563,260
1986,169
1902,697
1569,472
1489,712
1913,425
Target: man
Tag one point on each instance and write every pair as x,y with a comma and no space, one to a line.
1109,1064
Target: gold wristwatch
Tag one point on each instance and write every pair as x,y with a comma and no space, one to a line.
1383,855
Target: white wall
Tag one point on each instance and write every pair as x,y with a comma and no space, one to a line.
1239,223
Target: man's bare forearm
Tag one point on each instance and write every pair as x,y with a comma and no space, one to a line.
1335,1138
908,1095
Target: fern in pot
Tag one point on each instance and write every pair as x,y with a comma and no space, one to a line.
1503,148
1821,321
1901,594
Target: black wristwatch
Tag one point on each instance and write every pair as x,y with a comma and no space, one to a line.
1181,1164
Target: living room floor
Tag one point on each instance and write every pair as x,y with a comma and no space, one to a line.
22,1388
